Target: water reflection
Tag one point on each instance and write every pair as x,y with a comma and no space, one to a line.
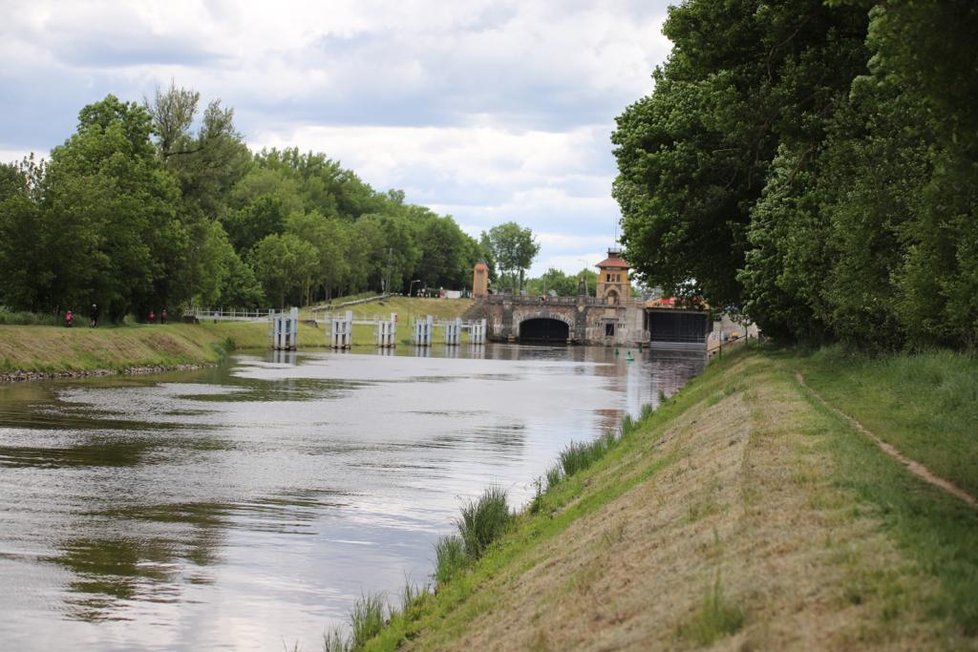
246,505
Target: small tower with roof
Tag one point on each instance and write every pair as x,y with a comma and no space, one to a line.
480,280
613,284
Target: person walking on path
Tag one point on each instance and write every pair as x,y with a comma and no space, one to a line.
94,316
69,318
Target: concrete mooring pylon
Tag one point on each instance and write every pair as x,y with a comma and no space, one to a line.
423,330
341,331
285,330
386,331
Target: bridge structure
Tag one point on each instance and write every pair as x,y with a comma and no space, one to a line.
589,320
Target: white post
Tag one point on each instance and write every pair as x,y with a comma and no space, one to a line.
285,330
348,331
453,332
385,331
293,329
342,331
422,331
477,332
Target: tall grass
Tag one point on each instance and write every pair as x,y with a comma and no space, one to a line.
450,558
367,618
578,456
366,621
483,521
24,318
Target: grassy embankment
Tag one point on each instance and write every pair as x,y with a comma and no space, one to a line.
743,514
55,349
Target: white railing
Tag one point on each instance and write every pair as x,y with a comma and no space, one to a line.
220,314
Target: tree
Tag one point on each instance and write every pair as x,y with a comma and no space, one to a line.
447,253
332,239
109,214
694,156
207,164
23,238
513,249
555,281
285,265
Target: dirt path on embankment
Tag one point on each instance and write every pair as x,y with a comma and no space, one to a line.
911,465
735,534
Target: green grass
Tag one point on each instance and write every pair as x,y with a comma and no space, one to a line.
367,619
934,533
925,404
578,456
916,402
49,349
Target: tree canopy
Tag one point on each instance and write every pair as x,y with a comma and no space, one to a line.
512,250
159,204
812,164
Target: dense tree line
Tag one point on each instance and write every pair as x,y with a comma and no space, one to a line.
157,204
813,164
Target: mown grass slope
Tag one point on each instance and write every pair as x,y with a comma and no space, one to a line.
742,515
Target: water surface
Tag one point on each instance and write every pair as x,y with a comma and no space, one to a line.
248,506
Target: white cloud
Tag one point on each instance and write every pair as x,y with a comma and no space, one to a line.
490,110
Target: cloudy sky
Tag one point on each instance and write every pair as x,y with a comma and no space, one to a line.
488,111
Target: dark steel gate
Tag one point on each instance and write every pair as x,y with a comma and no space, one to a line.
667,325
544,331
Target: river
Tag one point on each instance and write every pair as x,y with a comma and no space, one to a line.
248,506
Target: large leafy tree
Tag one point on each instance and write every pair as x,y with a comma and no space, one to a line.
332,239
286,266
448,254
24,273
110,214
822,156
694,156
513,249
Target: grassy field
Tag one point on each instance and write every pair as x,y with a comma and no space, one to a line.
742,514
